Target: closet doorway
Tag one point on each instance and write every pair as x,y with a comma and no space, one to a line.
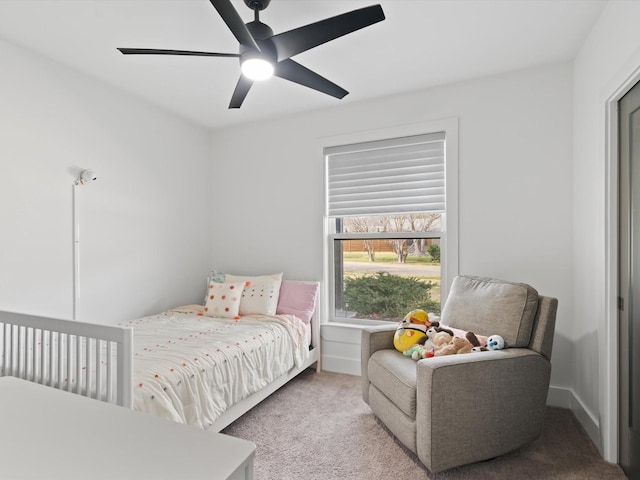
629,282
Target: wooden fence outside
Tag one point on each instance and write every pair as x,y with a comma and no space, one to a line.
379,245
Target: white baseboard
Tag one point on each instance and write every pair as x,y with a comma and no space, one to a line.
341,365
566,398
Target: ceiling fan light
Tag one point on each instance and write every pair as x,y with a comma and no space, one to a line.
257,69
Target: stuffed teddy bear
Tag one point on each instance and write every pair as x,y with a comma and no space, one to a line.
455,346
458,345
441,339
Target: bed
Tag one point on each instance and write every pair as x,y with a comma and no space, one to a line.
203,365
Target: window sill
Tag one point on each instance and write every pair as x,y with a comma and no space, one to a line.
362,323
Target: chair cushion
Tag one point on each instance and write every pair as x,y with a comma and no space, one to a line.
488,306
395,376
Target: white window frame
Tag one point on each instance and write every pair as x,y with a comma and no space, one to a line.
448,235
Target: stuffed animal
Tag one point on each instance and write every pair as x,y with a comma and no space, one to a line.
495,342
418,352
427,340
480,349
473,339
455,346
458,345
441,339
411,329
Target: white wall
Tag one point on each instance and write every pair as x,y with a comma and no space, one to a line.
515,190
145,238
526,212
607,59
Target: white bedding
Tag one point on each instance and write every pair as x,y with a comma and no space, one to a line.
191,368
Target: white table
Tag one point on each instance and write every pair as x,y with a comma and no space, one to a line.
51,434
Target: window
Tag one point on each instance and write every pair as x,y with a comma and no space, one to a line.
387,215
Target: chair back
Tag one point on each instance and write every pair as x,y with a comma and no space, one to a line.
515,311
544,326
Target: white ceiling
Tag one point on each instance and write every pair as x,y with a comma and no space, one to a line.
422,43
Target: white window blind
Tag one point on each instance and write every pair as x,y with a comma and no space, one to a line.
393,176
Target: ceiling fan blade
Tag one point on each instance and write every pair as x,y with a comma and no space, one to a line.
300,39
234,22
239,94
294,72
155,51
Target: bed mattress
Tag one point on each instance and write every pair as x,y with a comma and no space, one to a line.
190,368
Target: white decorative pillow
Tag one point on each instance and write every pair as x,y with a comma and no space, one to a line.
223,300
260,294
215,277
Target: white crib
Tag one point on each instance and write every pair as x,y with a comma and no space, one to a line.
88,359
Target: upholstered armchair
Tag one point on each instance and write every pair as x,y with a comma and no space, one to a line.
459,409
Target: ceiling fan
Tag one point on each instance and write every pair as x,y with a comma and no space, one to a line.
263,54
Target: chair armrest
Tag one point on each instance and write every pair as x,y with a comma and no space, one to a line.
372,340
498,395
377,338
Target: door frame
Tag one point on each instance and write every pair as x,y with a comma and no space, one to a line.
609,367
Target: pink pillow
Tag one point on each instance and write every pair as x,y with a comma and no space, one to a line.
298,298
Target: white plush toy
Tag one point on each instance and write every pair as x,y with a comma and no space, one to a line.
495,342
428,341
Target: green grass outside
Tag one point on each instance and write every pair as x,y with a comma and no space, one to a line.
387,257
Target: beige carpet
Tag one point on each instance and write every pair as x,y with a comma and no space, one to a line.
318,428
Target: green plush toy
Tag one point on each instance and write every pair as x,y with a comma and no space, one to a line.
418,352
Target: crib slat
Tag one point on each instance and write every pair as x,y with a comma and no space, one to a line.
69,362
34,351
88,371
15,349
28,348
51,360
2,360
99,344
7,349
43,357
78,364
36,355
3,340
21,352
60,363
52,356
109,372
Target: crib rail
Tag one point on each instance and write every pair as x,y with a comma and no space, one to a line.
87,359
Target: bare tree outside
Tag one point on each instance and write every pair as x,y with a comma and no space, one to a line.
396,223
422,222
363,225
414,222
